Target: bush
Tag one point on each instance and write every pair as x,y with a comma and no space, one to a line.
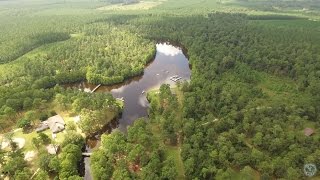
71,126
24,123
53,113
44,158
43,116
44,138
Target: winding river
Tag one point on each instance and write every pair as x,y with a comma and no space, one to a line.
169,61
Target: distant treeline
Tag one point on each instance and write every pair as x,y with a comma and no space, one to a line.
122,1
6,55
273,17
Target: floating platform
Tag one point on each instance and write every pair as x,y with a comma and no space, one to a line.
175,78
120,99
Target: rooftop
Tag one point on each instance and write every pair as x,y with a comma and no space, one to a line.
55,123
308,131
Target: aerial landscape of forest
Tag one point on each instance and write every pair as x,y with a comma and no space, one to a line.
159,89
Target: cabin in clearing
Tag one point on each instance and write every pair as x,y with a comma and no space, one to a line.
55,123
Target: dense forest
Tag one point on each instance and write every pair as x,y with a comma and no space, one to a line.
137,155
254,89
115,56
229,112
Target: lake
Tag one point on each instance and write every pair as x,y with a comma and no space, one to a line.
169,61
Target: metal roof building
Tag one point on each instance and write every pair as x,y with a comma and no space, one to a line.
55,123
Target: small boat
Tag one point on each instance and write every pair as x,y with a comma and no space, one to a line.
143,92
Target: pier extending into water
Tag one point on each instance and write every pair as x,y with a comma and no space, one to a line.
93,90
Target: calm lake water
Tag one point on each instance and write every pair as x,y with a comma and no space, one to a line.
169,61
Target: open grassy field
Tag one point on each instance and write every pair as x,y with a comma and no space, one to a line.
142,5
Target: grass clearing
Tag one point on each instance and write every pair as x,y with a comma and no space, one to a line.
282,90
247,173
174,152
170,151
67,116
77,35
142,5
28,138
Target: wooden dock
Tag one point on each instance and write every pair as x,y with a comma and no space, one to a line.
95,88
86,154
120,99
